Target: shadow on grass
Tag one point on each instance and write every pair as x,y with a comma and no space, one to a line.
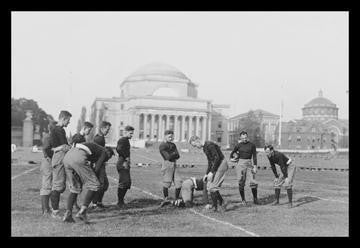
304,200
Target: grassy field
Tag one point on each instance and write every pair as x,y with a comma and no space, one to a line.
321,203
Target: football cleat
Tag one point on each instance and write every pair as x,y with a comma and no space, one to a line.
68,217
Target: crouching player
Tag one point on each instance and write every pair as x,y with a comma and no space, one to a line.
287,169
187,192
77,163
217,167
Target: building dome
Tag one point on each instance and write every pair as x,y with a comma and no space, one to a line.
320,108
157,72
320,101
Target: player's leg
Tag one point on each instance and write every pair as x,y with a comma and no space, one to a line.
186,192
58,186
167,171
91,184
277,186
46,184
103,190
124,185
177,182
241,171
73,180
253,185
101,177
217,181
289,182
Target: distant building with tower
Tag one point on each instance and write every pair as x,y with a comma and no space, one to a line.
319,128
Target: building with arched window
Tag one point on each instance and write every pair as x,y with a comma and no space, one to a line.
157,97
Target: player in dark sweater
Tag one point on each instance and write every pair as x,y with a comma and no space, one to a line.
170,154
287,169
215,173
103,179
46,171
58,140
123,165
243,152
80,173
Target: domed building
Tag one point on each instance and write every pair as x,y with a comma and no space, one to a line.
157,97
320,109
320,127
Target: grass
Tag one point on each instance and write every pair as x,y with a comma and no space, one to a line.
320,200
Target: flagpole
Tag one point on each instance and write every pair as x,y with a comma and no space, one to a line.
281,115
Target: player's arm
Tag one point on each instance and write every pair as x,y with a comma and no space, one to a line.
273,168
234,151
205,194
175,154
47,148
216,159
254,154
101,161
283,166
98,140
164,151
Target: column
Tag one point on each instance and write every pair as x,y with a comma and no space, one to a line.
176,129
161,130
136,124
190,126
183,128
28,128
204,129
144,126
152,128
209,127
197,119
167,118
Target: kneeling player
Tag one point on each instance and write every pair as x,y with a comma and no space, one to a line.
79,172
187,192
287,169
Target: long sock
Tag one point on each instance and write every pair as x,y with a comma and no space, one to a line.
101,195
242,193
277,195
45,203
96,197
55,198
177,193
289,193
165,192
88,197
70,201
121,194
214,199
221,200
254,193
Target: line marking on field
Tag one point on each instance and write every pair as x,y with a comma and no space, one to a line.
196,212
25,172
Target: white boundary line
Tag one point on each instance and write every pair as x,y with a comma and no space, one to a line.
195,212
324,199
25,172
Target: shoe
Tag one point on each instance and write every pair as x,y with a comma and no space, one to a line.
101,206
46,214
121,205
243,203
82,216
56,214
165,202
290,205
275,203
256,202
222,208
77,208
68,217
208,208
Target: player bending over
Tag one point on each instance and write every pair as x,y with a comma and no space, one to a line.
79,173
287,169
217,167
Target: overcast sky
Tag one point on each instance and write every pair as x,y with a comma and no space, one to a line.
63,60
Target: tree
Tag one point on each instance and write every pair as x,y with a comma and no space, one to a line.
18,113
252,125
82,119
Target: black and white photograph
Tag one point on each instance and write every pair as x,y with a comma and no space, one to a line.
179,123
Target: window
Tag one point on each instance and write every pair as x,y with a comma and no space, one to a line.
219,139
121,123
122,106
219,124
289,139
121,132
298,138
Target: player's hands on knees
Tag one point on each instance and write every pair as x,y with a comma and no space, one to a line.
254,169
